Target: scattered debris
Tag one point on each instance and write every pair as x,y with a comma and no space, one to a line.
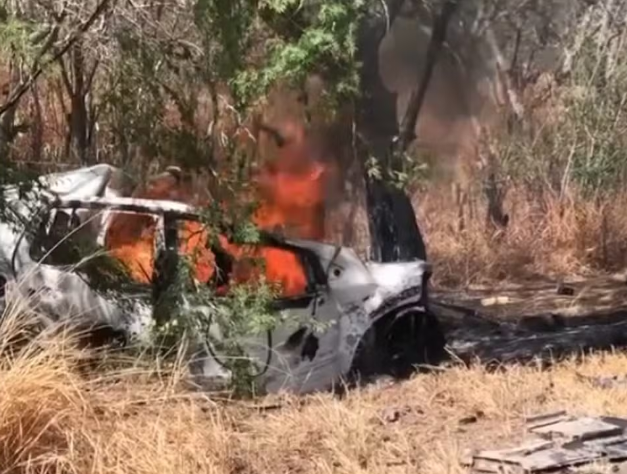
542,322
616,381
565,290
391,415
394,414
495,300
558,442
474,418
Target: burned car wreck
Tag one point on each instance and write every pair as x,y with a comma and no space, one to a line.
375,315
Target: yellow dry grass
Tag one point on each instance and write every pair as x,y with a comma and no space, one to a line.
547,236
56,417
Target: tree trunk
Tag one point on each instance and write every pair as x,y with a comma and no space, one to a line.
79,120
7,118
38,127
394,230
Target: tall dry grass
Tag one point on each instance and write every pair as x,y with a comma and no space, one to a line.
546,237
56,416
563,164
59,415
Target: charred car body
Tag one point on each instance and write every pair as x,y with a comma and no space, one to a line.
375,315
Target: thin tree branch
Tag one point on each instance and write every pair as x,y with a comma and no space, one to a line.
438,37
92,74
66,78
276,135
73,38
393,9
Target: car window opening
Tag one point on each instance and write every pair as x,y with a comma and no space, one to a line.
247,264
224,264
131,238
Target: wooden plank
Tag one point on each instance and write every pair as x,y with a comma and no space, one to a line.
564,442
545,417
533,459
582,429
556,458
496,467
506,454
539,421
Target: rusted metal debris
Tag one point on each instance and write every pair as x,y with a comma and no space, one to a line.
558,442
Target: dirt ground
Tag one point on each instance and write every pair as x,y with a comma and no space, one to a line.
423,425
523,322
599,298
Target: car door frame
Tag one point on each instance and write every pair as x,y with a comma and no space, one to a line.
317,287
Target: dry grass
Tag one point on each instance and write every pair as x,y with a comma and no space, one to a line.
55,418
546,237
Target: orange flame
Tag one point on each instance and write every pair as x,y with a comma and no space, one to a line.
291,192
291,189
131,237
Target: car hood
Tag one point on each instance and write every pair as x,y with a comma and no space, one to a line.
395,279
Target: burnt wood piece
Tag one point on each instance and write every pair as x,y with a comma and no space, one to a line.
538,421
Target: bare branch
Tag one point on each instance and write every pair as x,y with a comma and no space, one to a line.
438,36
69,42
66,77
393,8
280,140
92,74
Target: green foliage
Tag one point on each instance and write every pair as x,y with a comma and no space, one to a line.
195,314
132,102
298,38
154,62
161,55
244,315
584,143
19,45
16,37
26,42
599,149
227,29
413,170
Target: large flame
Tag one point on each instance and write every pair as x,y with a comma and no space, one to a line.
291,192
291,189
131,237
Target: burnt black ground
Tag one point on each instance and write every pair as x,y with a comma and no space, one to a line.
523,323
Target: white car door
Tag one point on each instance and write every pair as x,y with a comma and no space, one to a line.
301,353
53,270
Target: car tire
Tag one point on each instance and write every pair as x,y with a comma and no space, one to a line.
3,288
398,343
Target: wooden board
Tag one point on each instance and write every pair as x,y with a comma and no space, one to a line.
557,443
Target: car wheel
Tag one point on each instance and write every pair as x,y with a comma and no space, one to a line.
412,338
398,343
3,286
3,291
